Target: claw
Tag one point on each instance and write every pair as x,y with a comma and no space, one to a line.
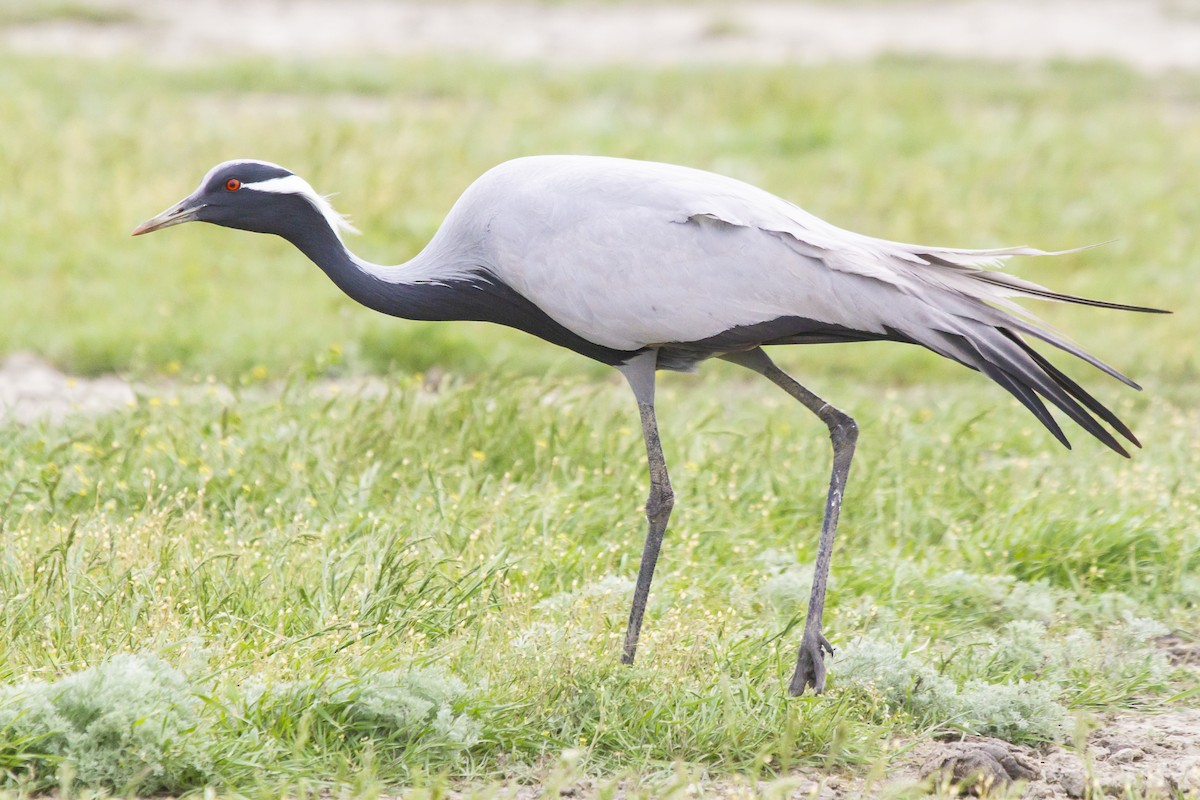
810,665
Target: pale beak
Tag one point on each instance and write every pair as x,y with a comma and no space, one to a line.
183,211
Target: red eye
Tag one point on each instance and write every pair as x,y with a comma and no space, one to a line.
233,184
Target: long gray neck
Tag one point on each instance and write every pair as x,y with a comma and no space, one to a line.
438,284
362,281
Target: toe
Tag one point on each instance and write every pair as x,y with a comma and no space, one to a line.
810,667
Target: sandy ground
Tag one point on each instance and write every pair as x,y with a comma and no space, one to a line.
1151,35
31,389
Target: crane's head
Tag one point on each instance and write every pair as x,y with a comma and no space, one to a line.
254,196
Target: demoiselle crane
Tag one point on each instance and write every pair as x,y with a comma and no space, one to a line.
648,266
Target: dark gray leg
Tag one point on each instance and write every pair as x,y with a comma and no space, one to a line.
658,511
843,431
640,373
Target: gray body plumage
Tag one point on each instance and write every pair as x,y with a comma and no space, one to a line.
648,266
629,255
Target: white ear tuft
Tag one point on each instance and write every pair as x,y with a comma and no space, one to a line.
294,184
340,222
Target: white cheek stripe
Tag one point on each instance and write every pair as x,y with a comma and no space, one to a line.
288,184
294,184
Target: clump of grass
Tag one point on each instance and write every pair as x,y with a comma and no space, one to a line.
788,584
398,713
1025,711
1015,685
135,724
1113,666
1022,712
895,674
130,724
1021,648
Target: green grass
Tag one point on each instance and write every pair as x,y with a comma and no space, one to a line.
300,543
15,12
353,591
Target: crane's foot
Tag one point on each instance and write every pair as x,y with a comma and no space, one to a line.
810,665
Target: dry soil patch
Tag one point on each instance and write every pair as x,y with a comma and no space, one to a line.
32,389
1150,35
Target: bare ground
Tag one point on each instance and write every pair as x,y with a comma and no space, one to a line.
1156,754
32,389
1125,755
1150,35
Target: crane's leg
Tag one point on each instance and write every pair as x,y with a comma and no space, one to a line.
843,431
639,371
